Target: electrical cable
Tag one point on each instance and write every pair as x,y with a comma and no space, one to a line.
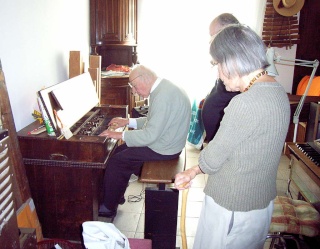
136,198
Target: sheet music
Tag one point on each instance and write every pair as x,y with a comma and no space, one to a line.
72,99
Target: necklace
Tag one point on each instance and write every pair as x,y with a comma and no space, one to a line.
254,80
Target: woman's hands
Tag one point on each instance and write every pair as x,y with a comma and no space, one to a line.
184,179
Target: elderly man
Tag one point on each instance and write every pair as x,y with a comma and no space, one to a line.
219,97
159,136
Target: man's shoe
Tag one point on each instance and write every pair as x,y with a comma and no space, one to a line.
105,212
122,200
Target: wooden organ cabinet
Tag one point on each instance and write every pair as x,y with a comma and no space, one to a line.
113,35
115,91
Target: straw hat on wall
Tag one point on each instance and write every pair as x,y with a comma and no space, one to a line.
288,7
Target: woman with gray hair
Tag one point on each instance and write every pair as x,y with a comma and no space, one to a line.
242,159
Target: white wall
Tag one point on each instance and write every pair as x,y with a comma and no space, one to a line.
36,37
35,40
174,41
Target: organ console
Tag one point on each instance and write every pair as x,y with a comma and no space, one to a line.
66,175
305,170
305,159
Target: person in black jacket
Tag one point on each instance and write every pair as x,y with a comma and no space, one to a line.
219,97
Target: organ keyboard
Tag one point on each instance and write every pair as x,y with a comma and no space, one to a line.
305,170
311,151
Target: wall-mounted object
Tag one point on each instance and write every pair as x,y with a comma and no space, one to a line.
288,7
279,30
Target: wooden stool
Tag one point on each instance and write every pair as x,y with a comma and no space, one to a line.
163,172
161,203
292,218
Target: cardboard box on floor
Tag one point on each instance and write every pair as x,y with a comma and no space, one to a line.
27,218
